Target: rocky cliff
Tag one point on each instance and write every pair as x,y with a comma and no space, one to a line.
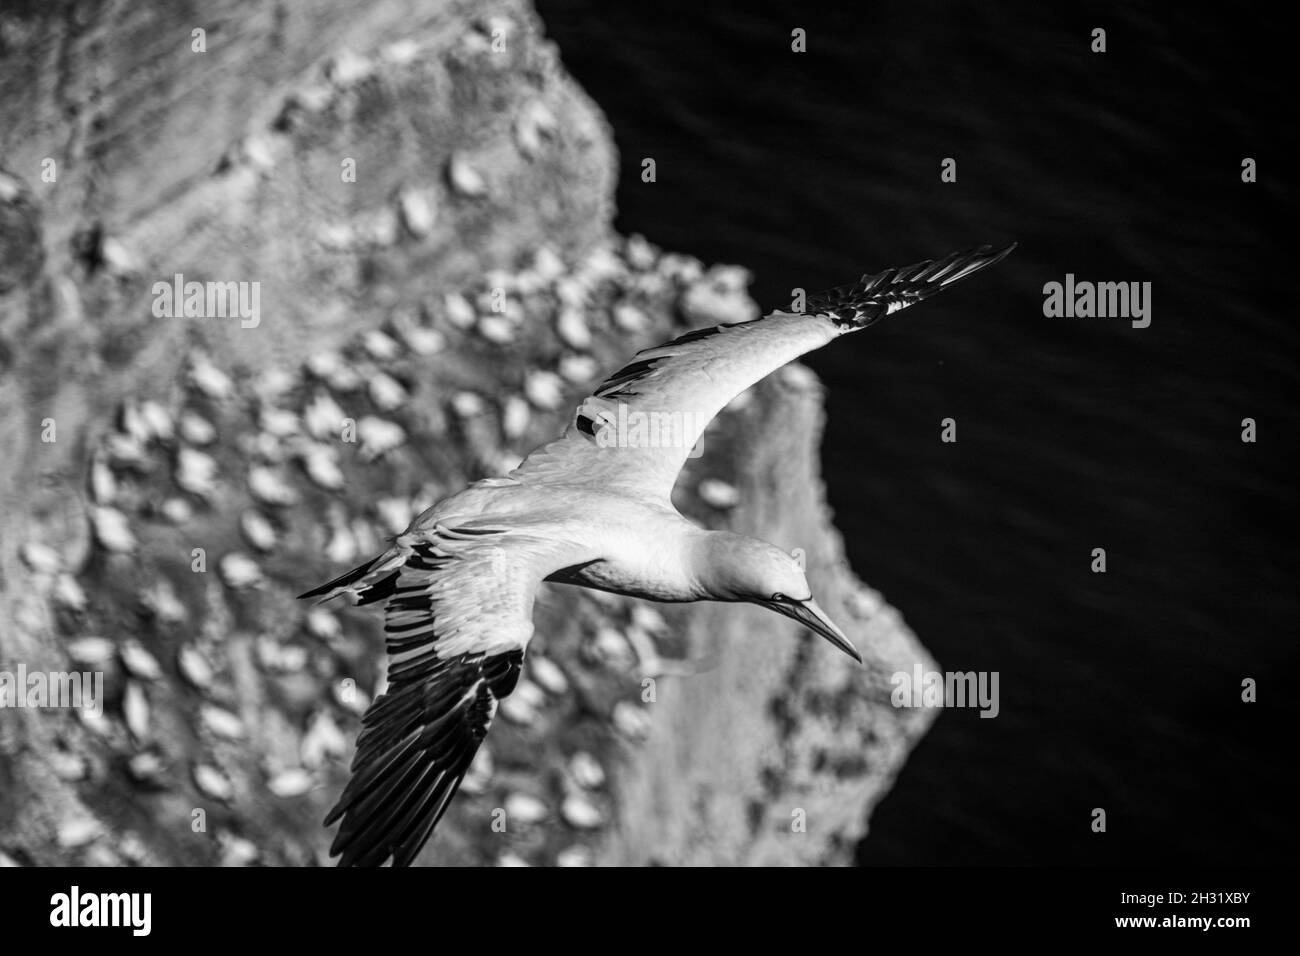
406,207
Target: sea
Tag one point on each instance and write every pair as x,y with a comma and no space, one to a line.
1120,690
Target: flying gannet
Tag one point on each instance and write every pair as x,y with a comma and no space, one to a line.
459,582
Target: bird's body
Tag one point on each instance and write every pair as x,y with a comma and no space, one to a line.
605,549
593,509
624,565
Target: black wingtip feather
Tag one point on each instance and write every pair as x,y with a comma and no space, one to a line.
874,296
368,592
416,745
342,581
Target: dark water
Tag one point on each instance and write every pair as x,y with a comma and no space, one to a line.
1119,690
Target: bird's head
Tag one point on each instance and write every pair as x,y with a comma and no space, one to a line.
746,569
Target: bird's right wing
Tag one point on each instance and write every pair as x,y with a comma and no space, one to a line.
458,617
636,431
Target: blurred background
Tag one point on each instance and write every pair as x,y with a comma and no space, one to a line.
422,199
498,145
1119,690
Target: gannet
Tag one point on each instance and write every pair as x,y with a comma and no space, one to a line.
458,584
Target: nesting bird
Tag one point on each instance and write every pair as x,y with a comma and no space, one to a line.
591,508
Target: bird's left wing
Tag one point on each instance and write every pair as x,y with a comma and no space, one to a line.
636,431
458,617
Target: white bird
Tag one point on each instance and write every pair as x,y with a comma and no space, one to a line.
585,509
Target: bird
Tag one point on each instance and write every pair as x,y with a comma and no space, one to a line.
585,509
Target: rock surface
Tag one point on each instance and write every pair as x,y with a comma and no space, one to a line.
170,483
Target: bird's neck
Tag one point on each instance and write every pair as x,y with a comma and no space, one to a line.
711,560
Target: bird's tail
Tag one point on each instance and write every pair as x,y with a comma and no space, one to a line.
860,304
369,582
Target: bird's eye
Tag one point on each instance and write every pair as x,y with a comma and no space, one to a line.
778,596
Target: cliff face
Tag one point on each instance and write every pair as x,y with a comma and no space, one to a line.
414,201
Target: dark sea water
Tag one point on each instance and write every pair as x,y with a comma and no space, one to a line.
1118,690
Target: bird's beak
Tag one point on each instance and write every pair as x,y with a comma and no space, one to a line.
811,616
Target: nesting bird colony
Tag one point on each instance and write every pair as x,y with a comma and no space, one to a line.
213,505
160,542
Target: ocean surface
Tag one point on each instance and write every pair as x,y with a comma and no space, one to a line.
1119,690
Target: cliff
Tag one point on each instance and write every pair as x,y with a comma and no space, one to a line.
420,201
